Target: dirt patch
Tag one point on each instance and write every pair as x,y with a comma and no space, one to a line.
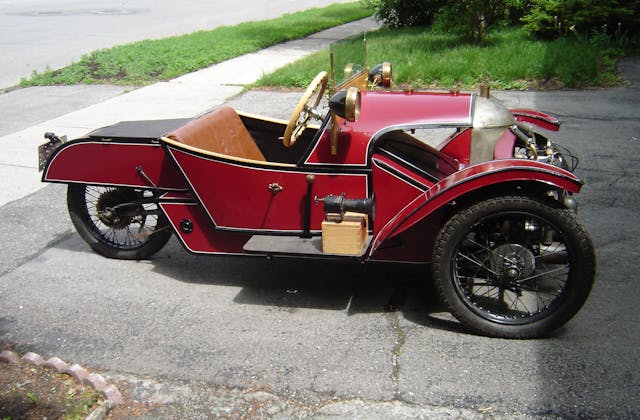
32,392
545,84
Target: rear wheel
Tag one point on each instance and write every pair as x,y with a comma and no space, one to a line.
123,223
514,267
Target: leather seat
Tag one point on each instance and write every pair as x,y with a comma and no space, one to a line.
220,131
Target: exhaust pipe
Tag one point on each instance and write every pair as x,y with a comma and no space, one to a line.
338,204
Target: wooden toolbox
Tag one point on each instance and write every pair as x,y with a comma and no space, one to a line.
347,236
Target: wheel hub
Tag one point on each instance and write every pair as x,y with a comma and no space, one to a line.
106,211
512,262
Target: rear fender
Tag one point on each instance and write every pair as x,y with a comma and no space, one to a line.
473,178
128,164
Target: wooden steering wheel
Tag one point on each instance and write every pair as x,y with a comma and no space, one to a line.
305,110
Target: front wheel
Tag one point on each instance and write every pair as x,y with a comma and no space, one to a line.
117,222
513,267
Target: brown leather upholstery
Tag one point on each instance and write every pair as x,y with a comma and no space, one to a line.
219,131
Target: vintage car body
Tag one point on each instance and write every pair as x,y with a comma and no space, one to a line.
489,203
213,190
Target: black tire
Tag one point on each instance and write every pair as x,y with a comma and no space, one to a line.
514,267
129,233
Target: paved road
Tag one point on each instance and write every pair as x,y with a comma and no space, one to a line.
321,335
36,34
75,110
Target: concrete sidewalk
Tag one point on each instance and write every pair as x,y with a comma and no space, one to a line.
185,96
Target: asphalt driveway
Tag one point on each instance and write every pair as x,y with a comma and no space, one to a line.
333,338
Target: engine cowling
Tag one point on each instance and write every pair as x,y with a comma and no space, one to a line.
490,121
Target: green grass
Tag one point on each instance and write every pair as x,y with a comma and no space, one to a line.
424,58
153,60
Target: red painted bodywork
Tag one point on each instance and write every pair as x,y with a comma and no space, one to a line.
228,200
386,110
392,190
236,196
111,163
504,148
203,239
458,147
471,179
542,120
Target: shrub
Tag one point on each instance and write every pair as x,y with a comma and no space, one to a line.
471,18
555,18
468,18
405,13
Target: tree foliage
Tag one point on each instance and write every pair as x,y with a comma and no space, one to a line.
554,18
468,18
405,13
471,19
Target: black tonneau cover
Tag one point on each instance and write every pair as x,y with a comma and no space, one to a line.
146,129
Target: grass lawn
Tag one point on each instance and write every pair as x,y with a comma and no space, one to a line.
424,58
162,59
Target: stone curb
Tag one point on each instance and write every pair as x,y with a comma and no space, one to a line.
110,392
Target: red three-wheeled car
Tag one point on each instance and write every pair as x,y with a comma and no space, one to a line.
452,179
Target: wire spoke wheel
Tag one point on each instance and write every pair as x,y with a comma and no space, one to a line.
514,267
118,222
504,276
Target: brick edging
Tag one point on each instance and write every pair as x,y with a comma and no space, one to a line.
82,375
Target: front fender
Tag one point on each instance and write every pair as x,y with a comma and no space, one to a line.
486,174
129,164
542,120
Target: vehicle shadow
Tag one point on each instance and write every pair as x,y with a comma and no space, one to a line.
290,284
326,284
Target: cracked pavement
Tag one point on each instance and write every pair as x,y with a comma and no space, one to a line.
191,336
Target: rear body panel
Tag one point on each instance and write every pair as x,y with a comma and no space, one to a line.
116,163
118,155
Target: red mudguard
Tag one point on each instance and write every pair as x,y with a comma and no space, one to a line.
542,120
470,179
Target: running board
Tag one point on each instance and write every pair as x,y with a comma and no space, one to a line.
294,246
